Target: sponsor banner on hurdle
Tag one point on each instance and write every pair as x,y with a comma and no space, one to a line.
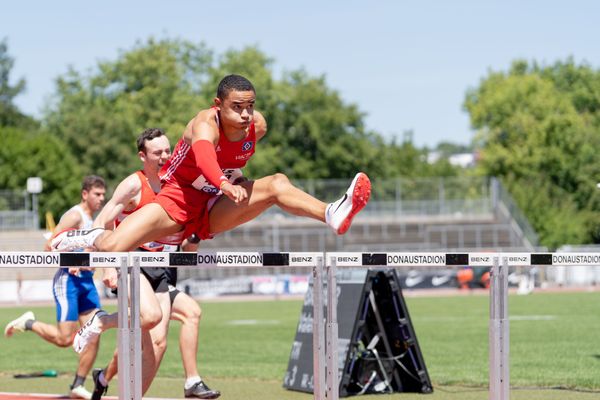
251,259
107,259
487,259
304,259
397,259
255,259
150,258
573,259
523,259
36,259
401,259
237,259
29,259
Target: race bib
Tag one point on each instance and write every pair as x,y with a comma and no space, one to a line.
203,185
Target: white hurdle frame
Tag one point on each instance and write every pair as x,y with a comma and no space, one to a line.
326,378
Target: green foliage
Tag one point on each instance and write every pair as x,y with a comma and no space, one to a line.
25,154
9,113
539,131
312,132
96,115
101,114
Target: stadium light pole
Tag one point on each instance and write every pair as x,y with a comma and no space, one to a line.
34,187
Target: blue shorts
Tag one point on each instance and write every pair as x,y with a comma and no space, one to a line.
74,295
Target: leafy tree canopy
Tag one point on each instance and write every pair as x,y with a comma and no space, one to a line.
24,154
9,112
539,130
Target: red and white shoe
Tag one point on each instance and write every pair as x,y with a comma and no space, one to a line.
339,214
72,239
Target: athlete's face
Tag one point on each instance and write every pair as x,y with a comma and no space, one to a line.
237,109
158,151
94,197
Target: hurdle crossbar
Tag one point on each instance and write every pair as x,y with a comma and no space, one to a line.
325,385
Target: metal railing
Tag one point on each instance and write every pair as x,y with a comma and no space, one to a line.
15,211
450,201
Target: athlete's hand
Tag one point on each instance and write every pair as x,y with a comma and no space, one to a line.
76,270
110,278
236,193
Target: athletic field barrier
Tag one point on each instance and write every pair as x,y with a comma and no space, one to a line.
324,267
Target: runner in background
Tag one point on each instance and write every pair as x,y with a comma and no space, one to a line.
74,291
160,299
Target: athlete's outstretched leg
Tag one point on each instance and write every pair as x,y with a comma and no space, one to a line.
149,223
278,190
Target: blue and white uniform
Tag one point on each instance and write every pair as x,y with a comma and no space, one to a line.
75,295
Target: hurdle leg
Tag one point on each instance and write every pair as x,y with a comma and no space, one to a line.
124,338
318,332
135,335
332,333
499,331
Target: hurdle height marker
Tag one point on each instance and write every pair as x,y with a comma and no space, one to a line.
135,348
318,330
333,382
499,331
124,344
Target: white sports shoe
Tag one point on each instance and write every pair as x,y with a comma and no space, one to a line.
339,214
88,331
18,325
80,392
71,239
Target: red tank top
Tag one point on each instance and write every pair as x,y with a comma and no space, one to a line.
147,196
181,168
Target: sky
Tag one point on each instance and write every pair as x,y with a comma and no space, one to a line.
407,65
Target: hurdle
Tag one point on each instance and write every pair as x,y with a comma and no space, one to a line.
324,267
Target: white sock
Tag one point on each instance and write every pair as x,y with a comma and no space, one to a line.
327,217
94,235
191,381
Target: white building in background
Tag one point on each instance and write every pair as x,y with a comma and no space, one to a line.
464,160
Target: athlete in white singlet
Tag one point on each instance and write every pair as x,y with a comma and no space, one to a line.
74,290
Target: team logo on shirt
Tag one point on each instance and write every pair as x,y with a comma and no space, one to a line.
247,146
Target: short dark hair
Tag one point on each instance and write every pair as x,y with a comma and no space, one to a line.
92,181
233,82
148,134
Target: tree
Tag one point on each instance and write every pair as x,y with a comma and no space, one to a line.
101,114
313,133
539,131
9,113
24,154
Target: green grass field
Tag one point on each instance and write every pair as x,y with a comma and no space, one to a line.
244,349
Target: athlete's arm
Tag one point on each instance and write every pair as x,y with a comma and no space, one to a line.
260,125
71,219
124,198
205,136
